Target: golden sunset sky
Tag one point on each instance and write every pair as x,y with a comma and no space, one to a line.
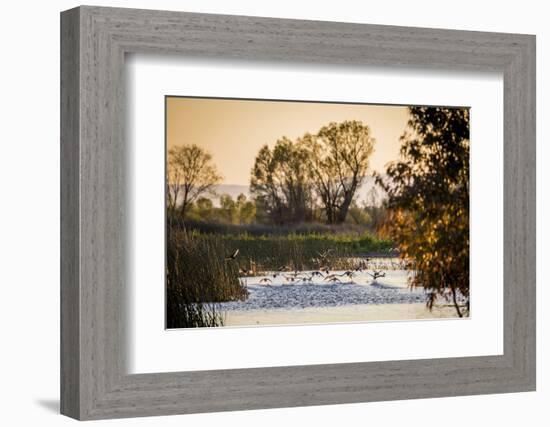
233,131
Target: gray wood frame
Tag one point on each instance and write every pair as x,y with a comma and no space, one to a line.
94,41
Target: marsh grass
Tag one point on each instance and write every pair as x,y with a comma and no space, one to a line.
198,277
296,251
255,229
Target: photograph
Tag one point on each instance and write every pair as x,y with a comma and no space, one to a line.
296,212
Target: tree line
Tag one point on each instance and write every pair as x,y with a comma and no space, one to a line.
290,182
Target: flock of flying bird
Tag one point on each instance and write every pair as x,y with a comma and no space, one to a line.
296,277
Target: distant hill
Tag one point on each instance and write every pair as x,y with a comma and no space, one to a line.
363,193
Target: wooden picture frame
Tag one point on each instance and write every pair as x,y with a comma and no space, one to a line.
94,382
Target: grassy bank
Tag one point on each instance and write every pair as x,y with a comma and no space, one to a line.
294,251
307,228
301,251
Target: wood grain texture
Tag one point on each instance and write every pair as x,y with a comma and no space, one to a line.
70,258
94,382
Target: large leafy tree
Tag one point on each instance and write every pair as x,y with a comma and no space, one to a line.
339,161
190,174
280,182
428,201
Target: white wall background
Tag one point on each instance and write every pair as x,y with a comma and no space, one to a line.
29,213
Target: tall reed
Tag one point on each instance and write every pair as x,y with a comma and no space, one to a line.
198,279
300,251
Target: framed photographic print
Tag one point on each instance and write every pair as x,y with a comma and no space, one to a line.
321,198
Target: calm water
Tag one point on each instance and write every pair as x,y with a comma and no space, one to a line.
283,292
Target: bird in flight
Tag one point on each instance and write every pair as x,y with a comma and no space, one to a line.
290,279
265,280
233,255
307,278
325,254
324,269
349,274
376,274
